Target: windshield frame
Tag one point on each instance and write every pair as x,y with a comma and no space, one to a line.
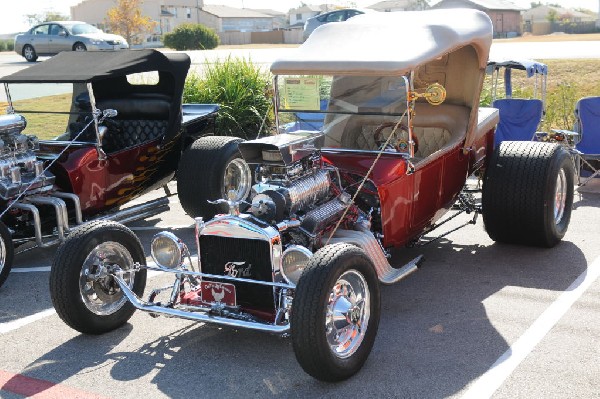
407,114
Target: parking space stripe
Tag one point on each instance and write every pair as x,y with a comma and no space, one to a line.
15,324
491,380
40,389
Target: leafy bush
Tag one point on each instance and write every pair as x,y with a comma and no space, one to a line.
191,37
10,45
2,45
241,89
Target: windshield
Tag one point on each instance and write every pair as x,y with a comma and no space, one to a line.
354,112
54,111
83,29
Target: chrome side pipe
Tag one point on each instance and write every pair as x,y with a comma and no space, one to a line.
138,212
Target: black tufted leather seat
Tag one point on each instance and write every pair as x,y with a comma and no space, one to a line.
138,121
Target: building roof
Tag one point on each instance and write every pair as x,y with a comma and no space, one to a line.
306,8
231,12
267,11
391,4
503,5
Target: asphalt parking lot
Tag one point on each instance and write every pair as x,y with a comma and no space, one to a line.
478,320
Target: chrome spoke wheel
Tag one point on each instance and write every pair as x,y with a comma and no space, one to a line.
237,178
347,314
560,196
99,291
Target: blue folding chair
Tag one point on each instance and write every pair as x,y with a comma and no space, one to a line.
519,118
587,113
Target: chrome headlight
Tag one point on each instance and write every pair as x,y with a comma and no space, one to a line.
293,262
96,41
168,250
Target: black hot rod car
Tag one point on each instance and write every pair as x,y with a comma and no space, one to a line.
101,130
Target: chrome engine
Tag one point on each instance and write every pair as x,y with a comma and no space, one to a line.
294,187
19,166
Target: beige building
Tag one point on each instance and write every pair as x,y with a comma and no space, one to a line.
167,13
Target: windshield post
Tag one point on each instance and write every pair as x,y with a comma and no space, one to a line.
276,100
9,109
410,106
95,115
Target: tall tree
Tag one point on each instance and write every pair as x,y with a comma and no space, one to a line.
127,20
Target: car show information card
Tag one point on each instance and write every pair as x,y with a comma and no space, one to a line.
301,94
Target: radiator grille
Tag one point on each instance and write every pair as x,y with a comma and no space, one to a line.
251,259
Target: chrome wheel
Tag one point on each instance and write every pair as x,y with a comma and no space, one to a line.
560,196
237,178
347,314
99,291
79,47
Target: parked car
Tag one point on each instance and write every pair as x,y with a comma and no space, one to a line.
332,16
51,38
402,130
93,141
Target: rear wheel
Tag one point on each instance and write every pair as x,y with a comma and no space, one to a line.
208,170
335,314
84,293
528,193
6,253
29,53
79,47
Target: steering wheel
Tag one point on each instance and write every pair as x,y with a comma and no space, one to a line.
398,145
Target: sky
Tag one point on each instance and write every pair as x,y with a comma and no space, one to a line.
12,18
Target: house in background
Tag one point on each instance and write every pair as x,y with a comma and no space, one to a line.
505,16
167,13
280,19
227,19
298,16
542,20
398,5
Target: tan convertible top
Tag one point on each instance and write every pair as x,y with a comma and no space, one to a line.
392,43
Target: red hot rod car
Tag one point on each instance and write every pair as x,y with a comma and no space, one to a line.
102,129
377,138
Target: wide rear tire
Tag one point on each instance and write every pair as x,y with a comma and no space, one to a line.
335,313
95,305
208,169
528,193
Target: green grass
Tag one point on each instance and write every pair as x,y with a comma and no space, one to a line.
43,125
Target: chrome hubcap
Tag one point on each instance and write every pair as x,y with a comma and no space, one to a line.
28,52
347,314
237,178
560,197
99,290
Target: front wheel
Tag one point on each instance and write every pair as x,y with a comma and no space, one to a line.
29,53
335,313
83,292
7,252
79,47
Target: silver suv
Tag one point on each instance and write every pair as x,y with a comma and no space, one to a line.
51,38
